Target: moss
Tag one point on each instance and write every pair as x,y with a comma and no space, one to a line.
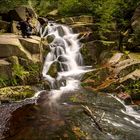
16,93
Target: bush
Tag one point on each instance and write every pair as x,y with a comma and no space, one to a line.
74,7
6,5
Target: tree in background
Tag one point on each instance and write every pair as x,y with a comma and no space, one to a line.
6,5
75,7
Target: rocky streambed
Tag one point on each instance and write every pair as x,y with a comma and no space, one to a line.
83,115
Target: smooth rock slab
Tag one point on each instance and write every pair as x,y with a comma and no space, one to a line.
10,46
30,44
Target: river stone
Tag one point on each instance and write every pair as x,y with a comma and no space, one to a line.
53,69
61,31
50,38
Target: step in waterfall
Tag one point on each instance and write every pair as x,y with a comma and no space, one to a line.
65,53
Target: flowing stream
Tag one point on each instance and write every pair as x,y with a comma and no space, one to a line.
59,114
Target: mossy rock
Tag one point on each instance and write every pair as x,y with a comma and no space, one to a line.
16,93
95,78
87,56
128,69
54,68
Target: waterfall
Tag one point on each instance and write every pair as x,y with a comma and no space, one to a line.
65,53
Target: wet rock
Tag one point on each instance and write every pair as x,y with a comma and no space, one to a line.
54,68
125,97
60,31
50,38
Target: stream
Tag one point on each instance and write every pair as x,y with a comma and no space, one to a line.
68,111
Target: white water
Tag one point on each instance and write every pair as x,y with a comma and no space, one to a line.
65,51
129,111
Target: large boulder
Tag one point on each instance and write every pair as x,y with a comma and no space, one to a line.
21,13
10,46
20,60
13,45
96,51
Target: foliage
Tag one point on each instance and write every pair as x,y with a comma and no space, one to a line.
4,81
42,7
74,7
133,87
6,5
19,74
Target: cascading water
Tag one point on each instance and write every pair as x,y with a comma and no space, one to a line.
65,51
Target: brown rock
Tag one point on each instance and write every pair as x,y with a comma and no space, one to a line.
21,13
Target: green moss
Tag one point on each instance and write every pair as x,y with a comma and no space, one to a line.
16,93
